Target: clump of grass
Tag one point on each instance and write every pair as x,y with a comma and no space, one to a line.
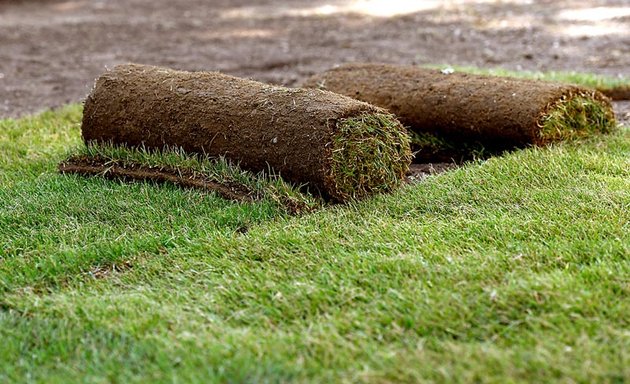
261,186
371,154
576,116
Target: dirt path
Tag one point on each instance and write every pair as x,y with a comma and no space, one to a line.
51,51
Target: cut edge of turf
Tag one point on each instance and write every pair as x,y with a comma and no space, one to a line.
370,154
174,166
577,114
100,166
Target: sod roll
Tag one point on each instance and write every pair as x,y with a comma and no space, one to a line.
620,92
339,146
496,111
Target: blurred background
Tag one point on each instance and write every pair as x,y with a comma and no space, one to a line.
51,50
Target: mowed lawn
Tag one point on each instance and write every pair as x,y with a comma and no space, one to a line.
514,269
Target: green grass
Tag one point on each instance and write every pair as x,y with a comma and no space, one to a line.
600,82
514,269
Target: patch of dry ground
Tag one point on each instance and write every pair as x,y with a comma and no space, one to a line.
51,50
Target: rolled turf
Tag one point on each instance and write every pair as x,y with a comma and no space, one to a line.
620,92
339,146
495,111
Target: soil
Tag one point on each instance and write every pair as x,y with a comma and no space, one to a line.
418,172
619,93
52,50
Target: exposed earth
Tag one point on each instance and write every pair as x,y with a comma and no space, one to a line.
52,50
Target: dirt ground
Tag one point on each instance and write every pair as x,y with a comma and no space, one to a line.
51,50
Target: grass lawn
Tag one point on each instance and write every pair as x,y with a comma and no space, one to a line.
514,269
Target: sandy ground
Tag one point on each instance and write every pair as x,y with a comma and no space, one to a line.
51,50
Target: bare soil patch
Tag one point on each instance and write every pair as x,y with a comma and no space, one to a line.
52,50
418,172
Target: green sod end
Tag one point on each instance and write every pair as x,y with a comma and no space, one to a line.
371,154
575,116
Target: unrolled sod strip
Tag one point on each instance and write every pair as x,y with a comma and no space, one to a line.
339,146
500,112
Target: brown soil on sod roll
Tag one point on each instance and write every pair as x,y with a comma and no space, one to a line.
617,93
341,147
500,112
